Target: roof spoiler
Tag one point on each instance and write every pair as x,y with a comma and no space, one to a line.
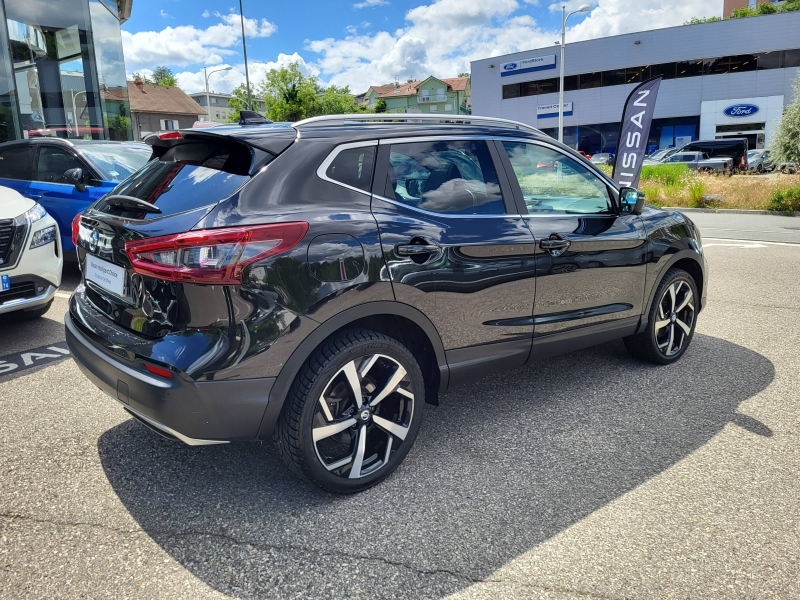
250,117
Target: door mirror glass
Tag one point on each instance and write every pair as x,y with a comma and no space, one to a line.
631,201
75,177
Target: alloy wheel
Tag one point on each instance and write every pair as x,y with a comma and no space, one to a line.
363,416
676,315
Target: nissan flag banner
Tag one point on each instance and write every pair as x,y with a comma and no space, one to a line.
634,131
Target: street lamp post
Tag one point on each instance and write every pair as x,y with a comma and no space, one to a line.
564,18
208,102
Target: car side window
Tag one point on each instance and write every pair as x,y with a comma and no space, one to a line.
674,158
15,163
447,177
554,183
53,162
353,167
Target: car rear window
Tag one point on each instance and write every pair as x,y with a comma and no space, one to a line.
185,177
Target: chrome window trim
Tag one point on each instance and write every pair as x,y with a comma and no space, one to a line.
436,138
323,168
444,215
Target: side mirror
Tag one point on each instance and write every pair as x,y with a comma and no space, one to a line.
631,201
75,177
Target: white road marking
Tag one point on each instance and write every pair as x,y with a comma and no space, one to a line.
749,230
732,241
746,245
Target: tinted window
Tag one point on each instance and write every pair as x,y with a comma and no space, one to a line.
187,176
666,70
448,177
52,163
570,83
511,91
770,60
553,183
353,167
614,77
743,62
15,163
589,80
690,68
791,58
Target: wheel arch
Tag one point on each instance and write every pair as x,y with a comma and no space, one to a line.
688,260
403,322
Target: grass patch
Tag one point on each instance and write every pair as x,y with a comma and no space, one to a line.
697,189
668,175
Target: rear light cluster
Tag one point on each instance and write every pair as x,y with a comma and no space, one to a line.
76,228
212,256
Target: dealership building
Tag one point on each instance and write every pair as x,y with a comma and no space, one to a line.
62,71
722,79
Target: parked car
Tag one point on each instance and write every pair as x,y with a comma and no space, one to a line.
758,161
734,148
604,158
699,161
315,285
31,256
66,176
659,156
788,168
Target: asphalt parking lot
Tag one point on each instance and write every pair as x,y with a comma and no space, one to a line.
586,476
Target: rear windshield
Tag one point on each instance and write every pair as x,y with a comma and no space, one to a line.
116,161
186,177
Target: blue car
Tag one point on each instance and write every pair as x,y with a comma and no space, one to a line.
66,176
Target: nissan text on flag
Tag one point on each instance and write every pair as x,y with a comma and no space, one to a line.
634,131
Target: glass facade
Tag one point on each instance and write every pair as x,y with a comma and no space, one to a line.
603,137
62,73
776,59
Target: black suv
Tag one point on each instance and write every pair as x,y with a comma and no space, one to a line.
316,284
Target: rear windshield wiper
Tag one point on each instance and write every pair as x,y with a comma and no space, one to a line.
131,203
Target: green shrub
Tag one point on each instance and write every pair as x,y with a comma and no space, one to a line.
669,174
672,191
786,200
697,190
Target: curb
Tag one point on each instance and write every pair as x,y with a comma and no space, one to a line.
734,211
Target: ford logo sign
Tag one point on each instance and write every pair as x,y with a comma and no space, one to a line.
741,110
509,66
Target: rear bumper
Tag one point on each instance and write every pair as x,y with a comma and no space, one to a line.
196,413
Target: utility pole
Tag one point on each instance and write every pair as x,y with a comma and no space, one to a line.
564,18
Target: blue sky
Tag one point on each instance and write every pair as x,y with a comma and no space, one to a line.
367,42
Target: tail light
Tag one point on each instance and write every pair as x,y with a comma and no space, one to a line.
76,228
743,164
212,256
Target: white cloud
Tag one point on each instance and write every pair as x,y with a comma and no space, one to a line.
353,29
441,37
164,14
206,14
225,81
186,44
370,3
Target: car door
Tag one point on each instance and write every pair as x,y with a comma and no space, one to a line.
58,196
457,249
591,259
15,166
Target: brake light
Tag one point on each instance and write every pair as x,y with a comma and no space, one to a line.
212,256
743,164
158,371
76,228
171,135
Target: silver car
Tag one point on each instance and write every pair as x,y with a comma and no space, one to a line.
759,162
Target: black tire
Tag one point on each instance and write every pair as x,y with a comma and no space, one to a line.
327,375
34,313
665,339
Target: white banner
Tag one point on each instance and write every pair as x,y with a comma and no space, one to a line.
527,65
551,110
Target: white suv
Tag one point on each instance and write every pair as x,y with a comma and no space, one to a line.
31,257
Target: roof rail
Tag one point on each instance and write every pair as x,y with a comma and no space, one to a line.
404,118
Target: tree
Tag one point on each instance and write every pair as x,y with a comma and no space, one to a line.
163,76
380,106
238,102
288,94
696,20
786,145
463,74
336,101
142,78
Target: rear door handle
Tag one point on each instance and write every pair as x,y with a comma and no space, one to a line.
416,249
34,196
